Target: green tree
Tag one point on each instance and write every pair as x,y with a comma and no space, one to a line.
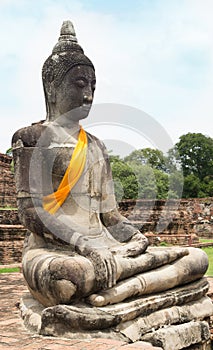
206,188
137,177
176,181
196,155
192,186
148,156
173,162
125,180
162,183
147,187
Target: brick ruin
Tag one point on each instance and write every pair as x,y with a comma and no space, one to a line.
174,221
11,231
7,185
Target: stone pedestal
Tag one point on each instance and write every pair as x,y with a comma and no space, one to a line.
172,320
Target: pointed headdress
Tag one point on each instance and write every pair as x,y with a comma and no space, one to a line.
66,54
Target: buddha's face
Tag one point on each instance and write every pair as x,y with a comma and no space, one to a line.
74,95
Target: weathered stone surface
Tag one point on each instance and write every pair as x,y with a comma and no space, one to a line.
196,310
180,336
181,305
187,269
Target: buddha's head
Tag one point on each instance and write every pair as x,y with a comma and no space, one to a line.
68,78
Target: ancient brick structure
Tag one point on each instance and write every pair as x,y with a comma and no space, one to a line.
11,243
11,232
7,186
176,221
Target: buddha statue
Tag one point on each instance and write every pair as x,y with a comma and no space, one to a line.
79,249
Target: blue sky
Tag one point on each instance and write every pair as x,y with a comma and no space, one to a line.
154,55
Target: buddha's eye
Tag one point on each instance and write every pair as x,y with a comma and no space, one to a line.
81,83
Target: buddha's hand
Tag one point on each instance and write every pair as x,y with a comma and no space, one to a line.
104,266
135,246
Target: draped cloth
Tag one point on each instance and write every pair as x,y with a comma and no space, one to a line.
52,202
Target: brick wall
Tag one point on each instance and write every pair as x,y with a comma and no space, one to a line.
11,243
189,217
7,185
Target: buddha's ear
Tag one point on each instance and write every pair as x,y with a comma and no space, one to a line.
51,92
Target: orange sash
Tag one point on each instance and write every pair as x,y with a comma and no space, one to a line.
52,202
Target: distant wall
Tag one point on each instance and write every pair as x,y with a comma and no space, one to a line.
11,243
185,216
11,231
7,185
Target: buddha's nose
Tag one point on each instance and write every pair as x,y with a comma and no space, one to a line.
87,98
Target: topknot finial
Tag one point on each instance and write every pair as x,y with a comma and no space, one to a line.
68,32
67,40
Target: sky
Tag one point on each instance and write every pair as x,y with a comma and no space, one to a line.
155,56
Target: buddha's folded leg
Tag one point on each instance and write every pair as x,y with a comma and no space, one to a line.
57,278
184,270
154,257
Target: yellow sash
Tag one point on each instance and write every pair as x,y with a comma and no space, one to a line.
52,202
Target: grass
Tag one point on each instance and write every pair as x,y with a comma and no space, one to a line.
9,270
205,240
209,252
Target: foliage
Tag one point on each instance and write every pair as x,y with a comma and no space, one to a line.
186,171
196,155
125,181
162,183
146,173
133,180
148,156
9,152
147,187
206,187
191,186
176,181
173,162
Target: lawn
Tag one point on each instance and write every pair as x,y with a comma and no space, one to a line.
209,252
9,269
205,240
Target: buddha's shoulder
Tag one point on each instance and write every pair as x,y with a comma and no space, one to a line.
29,135
99,143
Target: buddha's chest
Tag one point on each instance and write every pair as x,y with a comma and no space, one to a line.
56,161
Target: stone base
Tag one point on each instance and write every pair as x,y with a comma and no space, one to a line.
173,320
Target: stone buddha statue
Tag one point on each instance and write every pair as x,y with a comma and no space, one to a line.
80,253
